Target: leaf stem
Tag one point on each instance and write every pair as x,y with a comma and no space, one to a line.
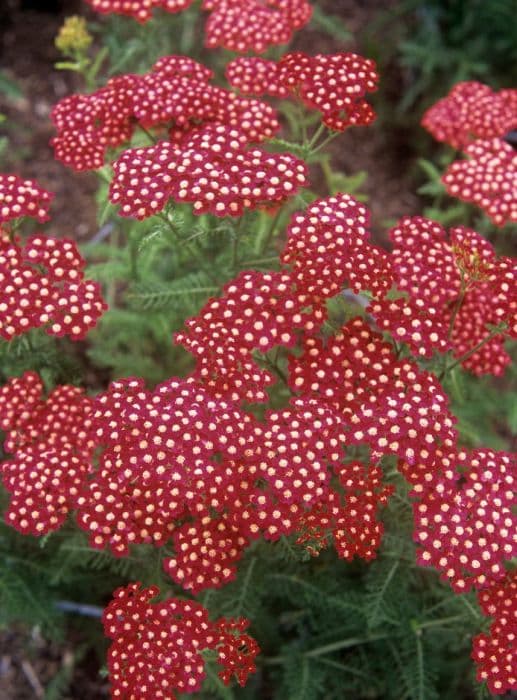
457,306
329,138
264,242
439,623
148,134
315,137
469,353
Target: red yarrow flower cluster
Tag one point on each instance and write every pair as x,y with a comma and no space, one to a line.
328,246
392,406
51,444
141,10
475,119
156,649
19,197
454,289
471,111
42,285
211,168
466,528
158,464
486,178
175,95
494,653
254,25
236,25
350,517
256,312
335,84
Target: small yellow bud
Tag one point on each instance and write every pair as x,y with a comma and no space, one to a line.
73,37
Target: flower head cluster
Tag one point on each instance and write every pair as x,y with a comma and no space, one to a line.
176,95
158,463
392,406
475,119
141,10
471,111
51,444
494,653
350,516
466,528
237,25
254,25
20,197
42,285
453,289
328,246
156,649
211,168
486,178
256,312
336,84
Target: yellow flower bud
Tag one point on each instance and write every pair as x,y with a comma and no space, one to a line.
73,37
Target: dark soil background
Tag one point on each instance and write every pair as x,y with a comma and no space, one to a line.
28,663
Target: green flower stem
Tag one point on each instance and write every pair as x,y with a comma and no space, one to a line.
315,137
260,261
329,648
103,176
147,133
302,123
274,367
457,306
495,331
264,241
235,245
329,138
439,623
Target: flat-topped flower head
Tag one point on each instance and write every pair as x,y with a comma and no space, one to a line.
42,285
471,111
212,169
255,76
18,399
392,406
334,84
476,120
51,444
343,369
349,517
300,444
453,289
487,178
254,25
175,96
236,25
19,197
88,125
256,312
494,653
163,459
467,528
206,554
156,648
141,10
328,245
30,422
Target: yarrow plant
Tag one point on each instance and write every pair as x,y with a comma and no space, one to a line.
237,25
317,395
42,282
475,120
